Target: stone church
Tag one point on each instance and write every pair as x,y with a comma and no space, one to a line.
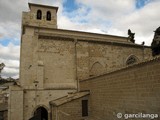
73,75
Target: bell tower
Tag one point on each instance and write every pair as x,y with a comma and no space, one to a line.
40,16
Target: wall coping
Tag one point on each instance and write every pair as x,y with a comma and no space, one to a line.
68,98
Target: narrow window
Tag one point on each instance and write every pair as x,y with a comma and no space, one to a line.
84,108
39,14
48,15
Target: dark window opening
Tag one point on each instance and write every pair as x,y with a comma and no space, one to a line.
48,15
84,108
39,14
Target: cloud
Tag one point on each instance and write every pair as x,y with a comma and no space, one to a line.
10,72
11,10
143,22
116,17
10,22
101,16
10,52
11,68
108,10
10,57
57,3
12,31
1,35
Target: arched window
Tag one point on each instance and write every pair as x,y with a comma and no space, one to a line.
48,15
97,69
39,14
131,60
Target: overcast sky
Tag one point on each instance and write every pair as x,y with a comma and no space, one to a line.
102,16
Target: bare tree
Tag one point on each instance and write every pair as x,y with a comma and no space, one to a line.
2,65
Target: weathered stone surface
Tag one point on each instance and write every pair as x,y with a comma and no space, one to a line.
131,90
52,61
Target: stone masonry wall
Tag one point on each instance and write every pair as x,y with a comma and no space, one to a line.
59,62
15,105
97,53
131,90
70,111
34,99
98,58
30,18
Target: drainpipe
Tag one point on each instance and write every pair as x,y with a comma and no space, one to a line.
75,57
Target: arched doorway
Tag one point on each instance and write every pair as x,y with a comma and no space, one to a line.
40,114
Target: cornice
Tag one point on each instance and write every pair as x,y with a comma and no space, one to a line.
87,39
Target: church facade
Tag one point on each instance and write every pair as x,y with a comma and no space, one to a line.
54,63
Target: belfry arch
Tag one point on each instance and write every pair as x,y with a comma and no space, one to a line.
39,14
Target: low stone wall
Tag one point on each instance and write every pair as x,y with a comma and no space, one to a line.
70,111
131,90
